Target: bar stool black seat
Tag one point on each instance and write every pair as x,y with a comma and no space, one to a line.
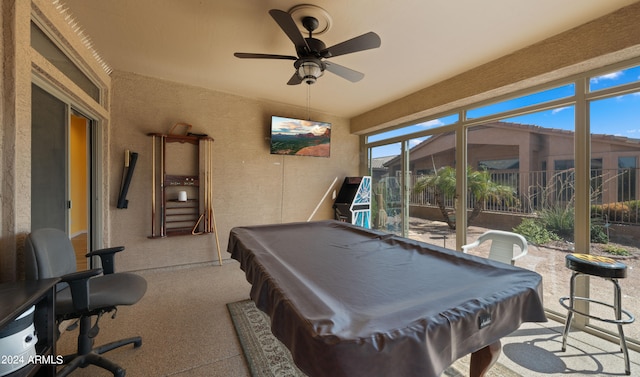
609,269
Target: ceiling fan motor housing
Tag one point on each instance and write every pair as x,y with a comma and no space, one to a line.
315,46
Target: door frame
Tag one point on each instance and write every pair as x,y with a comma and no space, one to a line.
95,166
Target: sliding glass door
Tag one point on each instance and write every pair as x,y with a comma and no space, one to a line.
49,201
61,188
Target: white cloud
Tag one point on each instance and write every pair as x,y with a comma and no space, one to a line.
608,76
432,123
555,111
632,133
623,97
414,142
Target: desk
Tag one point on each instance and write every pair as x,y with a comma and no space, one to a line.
349,302
15,299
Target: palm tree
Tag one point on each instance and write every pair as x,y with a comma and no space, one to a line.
479,184
443,183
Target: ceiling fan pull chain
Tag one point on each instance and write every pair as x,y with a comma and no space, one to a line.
308,102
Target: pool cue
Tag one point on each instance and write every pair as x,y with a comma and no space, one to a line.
194,231
210,185
322,200
205,183
212,217
153,185
163,230
202,189
207,195
215,232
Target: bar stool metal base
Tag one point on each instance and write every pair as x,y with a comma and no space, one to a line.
584,265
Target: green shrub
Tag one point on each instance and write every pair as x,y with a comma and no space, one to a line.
616,250
535,232
559,221
634,210
598,233
617,211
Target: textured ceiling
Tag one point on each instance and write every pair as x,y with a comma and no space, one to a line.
423,42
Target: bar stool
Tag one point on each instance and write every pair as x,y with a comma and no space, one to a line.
609,269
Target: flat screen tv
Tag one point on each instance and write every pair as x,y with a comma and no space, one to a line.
299,137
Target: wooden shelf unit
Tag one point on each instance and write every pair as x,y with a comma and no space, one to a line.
182,163
180,217
179,164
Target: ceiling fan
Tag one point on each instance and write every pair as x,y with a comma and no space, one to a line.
310,62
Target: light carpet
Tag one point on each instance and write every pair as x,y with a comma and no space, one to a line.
268,357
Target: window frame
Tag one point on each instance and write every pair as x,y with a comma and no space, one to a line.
582,155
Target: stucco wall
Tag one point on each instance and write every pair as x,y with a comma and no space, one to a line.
15,137
251,186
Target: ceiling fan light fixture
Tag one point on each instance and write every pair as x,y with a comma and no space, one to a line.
309,72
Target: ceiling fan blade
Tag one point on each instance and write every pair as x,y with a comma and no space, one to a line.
294,80
288,25
246,55
344,72
364,42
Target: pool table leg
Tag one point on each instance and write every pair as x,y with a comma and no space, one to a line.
483,359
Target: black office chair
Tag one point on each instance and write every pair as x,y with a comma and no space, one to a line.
84,294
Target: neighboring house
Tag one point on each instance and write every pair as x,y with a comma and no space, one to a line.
378,166
530,158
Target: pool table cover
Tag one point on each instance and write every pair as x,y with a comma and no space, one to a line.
349,301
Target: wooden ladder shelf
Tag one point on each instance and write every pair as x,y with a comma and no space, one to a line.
182,186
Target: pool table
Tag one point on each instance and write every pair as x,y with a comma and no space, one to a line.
348,301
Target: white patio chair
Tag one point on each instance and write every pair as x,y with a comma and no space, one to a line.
502,245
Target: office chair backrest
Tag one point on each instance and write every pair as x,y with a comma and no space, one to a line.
48,253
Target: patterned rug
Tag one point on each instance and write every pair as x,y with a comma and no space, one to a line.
268,357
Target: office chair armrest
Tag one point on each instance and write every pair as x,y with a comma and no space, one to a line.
107,258
79,284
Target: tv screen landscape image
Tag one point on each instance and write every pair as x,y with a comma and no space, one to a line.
300,137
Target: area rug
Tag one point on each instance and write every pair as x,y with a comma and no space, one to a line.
268,357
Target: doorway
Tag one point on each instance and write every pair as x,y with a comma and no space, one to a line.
61,176
79,178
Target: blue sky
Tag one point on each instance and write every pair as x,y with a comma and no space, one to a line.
614,116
